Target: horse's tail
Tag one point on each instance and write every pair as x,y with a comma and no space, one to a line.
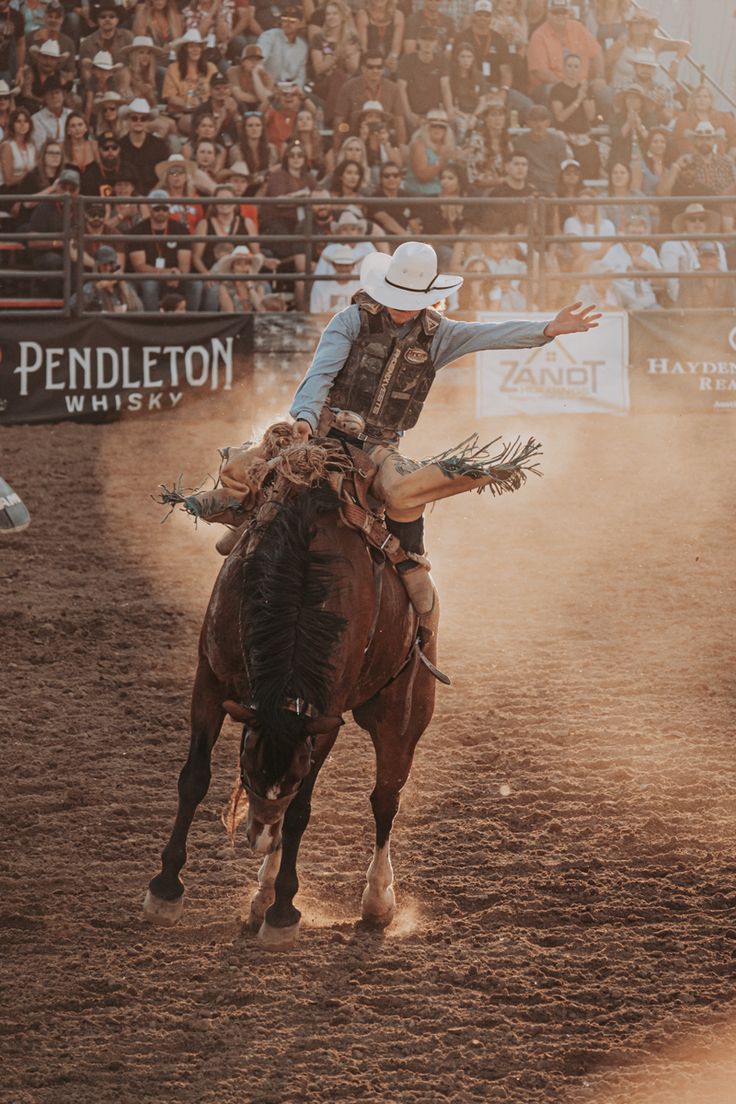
288,636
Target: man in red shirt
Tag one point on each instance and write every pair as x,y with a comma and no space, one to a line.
552,42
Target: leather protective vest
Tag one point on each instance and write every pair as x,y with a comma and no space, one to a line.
386,378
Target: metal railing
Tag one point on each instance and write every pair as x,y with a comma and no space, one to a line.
538,243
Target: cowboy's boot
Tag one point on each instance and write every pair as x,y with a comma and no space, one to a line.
415,576
432,483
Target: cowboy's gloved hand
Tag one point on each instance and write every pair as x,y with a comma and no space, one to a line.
302,430
572,319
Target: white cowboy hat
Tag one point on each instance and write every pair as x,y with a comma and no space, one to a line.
109,97
175,160
6,90
192,35
103,60
619,99
240,252
705,129
139,106
349,216
644,56
339,253
142,42
712,218
238,168
50,48
407,281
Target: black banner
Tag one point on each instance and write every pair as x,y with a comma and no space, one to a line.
682,363
100,368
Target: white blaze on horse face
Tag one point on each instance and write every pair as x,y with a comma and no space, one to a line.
268,839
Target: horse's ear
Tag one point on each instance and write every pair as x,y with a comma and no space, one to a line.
318,726
239,712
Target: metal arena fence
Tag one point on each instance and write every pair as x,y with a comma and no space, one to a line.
535,214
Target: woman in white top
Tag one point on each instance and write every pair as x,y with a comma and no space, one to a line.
587,222
18,155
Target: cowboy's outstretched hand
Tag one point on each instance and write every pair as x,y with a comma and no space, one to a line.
301,430
573,319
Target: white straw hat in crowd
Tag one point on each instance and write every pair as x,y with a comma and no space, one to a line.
143,42
340,253
712,219
407,281
175,160
238,168
50,48
644,56
138,106
6,90
103,60
192,35
349,216
239,253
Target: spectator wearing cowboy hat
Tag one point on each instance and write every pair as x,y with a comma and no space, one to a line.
46,61
143,67
634,116
241,296
280,118
702,109
187,82
105,112
177,176
640,34
392,320
284,49
330,296
7,100
659,91
53,19
706,172
683,256
348,224
369,85
419,77
140,149
101,79
238,177
432,146
109,38
709,291
50,120
251,84
638,292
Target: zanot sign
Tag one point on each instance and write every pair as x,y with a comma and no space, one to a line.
580,374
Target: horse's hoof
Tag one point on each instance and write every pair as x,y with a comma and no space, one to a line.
278,939
377,910
163,913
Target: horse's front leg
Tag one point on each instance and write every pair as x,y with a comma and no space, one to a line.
395,720
164,900
266,894
280,926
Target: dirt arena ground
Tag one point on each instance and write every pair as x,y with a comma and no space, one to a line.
565,854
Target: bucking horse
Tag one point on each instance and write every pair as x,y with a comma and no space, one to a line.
308,620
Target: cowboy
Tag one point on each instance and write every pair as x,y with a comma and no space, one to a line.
373,369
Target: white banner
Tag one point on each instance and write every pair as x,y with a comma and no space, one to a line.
576,374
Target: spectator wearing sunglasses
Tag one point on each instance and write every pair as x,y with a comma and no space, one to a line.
165,252
99,176
395,215
109,38
369,86
284,49
139,148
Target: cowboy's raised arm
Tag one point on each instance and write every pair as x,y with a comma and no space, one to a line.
329,357
456,339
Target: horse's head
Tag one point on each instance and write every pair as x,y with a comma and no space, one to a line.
272,772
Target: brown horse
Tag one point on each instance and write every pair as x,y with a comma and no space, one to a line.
304,624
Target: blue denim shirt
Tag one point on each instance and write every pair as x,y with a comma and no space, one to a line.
451,341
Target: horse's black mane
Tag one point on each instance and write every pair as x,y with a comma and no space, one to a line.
287,635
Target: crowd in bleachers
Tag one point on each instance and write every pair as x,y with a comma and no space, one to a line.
367,109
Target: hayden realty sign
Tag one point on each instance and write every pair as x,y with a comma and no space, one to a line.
683,362
579,374
94,369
